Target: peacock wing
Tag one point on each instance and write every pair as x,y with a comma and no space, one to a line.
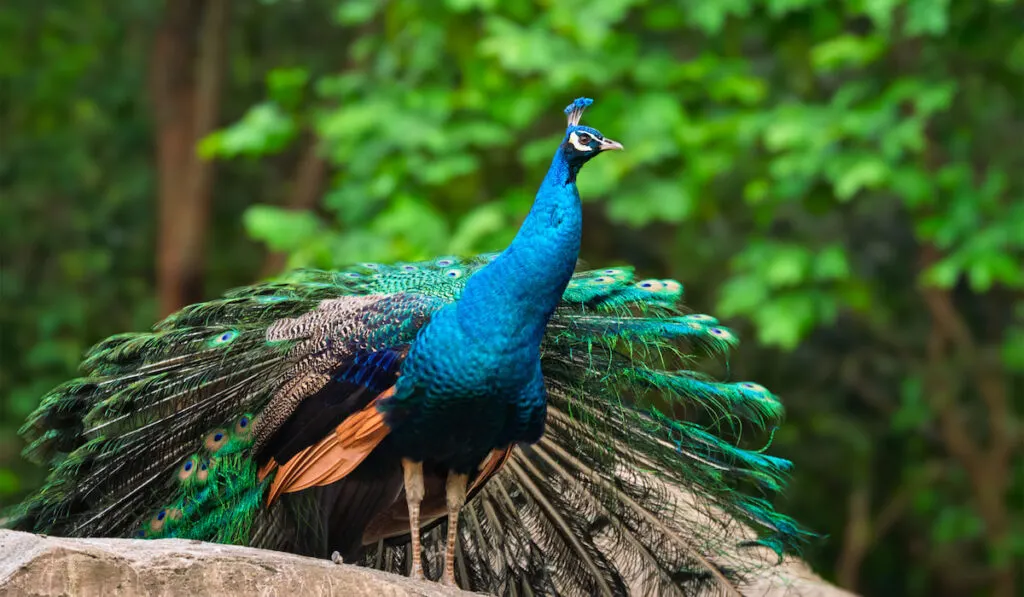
164,432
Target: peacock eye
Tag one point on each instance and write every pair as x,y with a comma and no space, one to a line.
585,138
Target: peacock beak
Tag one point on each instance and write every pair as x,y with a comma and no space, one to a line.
607,144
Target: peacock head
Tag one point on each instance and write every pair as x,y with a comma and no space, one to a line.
582,143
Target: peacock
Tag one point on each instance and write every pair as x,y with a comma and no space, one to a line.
503,422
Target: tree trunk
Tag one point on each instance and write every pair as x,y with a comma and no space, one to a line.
186,78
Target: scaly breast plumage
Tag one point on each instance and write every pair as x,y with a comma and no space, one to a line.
455,399
446,360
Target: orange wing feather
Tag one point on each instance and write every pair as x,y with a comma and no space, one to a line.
489,468
334,457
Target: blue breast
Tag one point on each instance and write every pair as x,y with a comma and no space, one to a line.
456,400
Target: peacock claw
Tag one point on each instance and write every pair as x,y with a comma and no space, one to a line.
416,572
336,558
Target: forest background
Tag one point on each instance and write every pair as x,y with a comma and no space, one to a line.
841,181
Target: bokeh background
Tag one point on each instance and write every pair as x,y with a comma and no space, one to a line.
842,181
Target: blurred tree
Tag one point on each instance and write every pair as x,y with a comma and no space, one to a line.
841,178
189,59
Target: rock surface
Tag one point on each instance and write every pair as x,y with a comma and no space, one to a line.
40,566
792,578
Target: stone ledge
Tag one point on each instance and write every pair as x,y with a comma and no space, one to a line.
41,566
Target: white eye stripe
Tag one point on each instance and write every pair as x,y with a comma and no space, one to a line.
576,142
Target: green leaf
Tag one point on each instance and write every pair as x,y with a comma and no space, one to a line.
880,11
415,227
913,185
356,12
281,229
830,264
743,89
846,51
787,265
467,5
927,17
863,172
756,191
285,86
935,97
476,229
993,267
742,295
783,321
659,200
943,274
790,129
440,170
265,129
710,15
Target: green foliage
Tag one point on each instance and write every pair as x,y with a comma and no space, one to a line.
818,172
264,128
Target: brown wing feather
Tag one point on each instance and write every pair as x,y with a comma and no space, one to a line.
334,457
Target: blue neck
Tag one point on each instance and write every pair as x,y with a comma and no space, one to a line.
508,303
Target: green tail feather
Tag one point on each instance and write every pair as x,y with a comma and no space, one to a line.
217,497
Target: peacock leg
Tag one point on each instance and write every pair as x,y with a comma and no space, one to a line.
456,493
413,496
